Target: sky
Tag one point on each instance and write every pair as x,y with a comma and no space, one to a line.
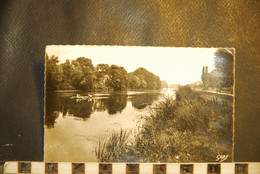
172,64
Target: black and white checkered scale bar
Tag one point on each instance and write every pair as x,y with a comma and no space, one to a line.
129,168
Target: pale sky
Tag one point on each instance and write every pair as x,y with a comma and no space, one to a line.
172,64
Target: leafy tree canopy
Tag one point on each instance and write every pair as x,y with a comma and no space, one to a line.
81,74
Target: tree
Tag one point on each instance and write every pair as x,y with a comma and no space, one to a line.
53,73
164,84
134,82
117,78
101,73
152,81
223,61
66,69
83,74
101,70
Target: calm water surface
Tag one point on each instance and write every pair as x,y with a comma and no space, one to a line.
73,127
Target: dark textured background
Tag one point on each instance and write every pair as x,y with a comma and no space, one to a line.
27,26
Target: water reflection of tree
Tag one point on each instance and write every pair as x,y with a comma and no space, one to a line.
143,100
116,103
82,109
100,105
52,108
56,104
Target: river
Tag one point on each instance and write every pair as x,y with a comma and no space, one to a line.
73,127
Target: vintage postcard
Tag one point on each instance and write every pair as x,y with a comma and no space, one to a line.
138,104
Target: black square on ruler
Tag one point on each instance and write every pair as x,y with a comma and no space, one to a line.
51,168
241,168
132,168
78,168
24,167
159,169
214,168
105,168
186,169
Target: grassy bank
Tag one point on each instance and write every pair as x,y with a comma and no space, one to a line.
189,128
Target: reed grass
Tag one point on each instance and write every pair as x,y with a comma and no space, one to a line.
113,147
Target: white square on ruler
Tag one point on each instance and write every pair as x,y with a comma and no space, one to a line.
253,168
173,168
64,168
146,168
200,168
228,168
119,168
91,168
38,167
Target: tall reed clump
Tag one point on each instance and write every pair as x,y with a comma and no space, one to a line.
188,128
114,147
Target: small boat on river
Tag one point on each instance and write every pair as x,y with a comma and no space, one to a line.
89,96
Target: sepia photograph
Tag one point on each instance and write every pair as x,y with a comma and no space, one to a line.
138,104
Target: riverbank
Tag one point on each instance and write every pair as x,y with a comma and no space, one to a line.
190,128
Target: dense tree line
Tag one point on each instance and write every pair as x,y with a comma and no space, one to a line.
80,74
